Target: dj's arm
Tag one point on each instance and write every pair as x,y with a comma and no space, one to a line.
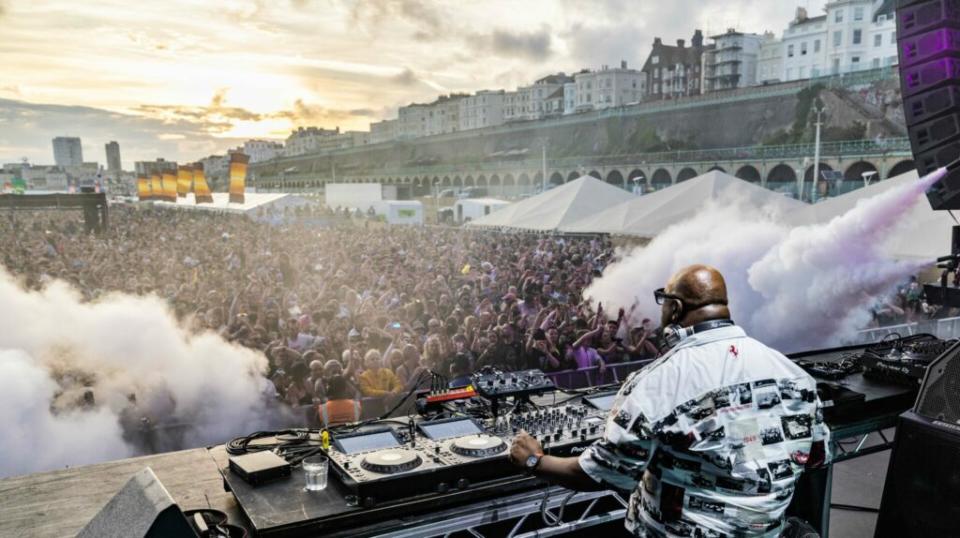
563,471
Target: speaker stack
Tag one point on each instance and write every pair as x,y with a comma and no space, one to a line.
921,496
928,32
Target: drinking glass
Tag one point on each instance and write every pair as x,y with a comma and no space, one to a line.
315,472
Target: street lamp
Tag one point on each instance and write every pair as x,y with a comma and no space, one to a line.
816,150
436,198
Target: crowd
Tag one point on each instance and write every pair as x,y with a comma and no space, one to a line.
344,313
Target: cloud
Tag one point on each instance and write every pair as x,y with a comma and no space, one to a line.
528,45
216,117
306,114
429,23
28,129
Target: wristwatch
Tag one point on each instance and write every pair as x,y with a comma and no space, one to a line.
533,461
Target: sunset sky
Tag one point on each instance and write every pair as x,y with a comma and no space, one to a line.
182,79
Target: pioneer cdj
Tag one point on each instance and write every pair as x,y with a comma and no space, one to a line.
902,360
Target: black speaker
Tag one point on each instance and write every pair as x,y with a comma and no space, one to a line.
928,32
939,398
141,509
921,492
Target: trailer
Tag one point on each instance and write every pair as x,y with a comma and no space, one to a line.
474,208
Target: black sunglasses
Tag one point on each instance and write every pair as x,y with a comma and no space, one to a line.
661,296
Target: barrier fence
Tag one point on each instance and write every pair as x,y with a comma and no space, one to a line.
944,329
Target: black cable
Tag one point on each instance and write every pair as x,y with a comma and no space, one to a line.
855,508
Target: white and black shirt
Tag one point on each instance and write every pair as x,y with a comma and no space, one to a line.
711,438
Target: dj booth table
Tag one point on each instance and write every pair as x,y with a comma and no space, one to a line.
515,506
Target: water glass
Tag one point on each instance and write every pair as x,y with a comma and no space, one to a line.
315,472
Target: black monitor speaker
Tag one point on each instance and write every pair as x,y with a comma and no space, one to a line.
141,509
922,488
928,32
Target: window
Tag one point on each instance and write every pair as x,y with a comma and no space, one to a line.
803,48
837,38
838,15
790,51
893,38
816,45
858,13
855,61
654,60
802,72
789,73
877,40
876,63
857,36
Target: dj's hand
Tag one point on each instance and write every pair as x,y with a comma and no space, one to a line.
523,447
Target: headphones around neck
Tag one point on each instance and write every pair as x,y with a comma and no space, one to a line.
674,334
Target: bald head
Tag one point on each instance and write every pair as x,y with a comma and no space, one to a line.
702,292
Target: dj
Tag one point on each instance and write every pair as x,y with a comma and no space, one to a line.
711,437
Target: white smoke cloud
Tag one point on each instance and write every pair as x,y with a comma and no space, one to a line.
54,348
794,289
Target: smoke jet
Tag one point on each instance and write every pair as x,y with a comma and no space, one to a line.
78,378
794,289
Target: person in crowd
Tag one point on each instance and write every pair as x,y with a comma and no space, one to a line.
299,391
341,407
460,371
730,395
376,380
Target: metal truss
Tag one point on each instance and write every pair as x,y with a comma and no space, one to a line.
532,515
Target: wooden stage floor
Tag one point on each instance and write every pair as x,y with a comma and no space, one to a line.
59,503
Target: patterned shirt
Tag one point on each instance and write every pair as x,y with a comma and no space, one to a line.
711,438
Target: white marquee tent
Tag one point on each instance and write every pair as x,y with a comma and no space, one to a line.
648,215
557,207
923,234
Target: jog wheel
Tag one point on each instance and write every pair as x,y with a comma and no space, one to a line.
391,461
478,446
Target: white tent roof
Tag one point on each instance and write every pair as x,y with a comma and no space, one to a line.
251,201
923,233
557,207
483,201
648,215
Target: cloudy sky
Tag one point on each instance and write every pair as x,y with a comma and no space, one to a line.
182,79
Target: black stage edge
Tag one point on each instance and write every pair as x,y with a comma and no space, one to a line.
94,205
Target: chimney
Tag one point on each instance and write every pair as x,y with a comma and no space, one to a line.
680,43
657,41
623,64
697,40
801,14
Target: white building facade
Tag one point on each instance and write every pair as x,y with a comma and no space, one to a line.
852,36
383,131
732,62
770,60
805,47
412,121
443,115
483,109
608,88
262,150
310,140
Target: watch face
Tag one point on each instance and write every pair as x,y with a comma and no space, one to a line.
532,461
